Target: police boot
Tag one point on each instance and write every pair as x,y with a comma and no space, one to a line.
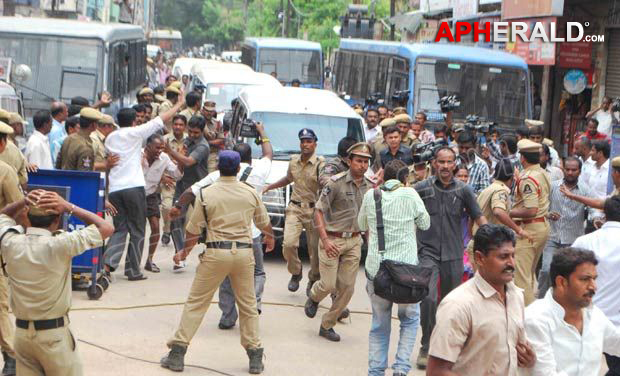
9,365
293,284
256,360
175,360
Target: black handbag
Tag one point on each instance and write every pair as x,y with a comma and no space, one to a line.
396,281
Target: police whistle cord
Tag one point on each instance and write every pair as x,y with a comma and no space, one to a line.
150,361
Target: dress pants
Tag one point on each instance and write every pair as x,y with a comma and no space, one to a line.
526,258
449,274
6,326
215,265
227,296
177,226
337,275
130,220
297,219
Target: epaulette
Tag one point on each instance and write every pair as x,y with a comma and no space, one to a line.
338,176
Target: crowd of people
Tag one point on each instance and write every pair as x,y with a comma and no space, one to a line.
519,243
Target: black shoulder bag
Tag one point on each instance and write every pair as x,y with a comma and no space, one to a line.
397,281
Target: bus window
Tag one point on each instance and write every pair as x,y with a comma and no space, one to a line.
289,64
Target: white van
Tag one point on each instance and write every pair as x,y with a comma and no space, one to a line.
285,111
222,82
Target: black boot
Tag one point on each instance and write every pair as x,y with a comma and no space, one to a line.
9,365
311,307
256,360
175,360
330,334
293,284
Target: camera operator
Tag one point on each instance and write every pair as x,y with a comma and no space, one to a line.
479,177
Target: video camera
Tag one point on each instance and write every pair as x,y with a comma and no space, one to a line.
449,103
401,97
374,99
615,105
426,152
248,129
475,123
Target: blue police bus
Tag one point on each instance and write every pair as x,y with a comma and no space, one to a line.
489,83
286,59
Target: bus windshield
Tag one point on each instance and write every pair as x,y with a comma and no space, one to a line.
283,130
303,65
223,94
498,94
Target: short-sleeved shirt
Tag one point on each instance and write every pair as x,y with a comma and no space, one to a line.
175,144
77,153
496,195
403,154
340,202
10,190
199,151
98,140
444,239
533,189
188,113
38,265
332,167
212,132
230,206
164,107
14,158
305,176
477,332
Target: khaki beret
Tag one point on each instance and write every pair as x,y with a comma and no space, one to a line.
149,60
91,114
5,128
532,123
399,111
173,89
387,122
209,105
358,111
361,149
4,115
528,146
548,142
402,118
146,90
15,118
615,162
159,98
107,120
177,84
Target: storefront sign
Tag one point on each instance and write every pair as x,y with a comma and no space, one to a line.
535,52
575,81
575,55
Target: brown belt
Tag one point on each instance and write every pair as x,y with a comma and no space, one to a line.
528,221
344,235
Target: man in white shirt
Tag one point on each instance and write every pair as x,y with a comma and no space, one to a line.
597,177
154,164
126,187
569,333
605,245
254,174
603,115
372,120
38,147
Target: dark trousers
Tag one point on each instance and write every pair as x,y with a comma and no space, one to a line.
449,274
130,220
613,363
177,226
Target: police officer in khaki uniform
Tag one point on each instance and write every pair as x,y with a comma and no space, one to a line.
337,164
172,97
403,122
77,151
176,141
303,171
106,126
379,145
530,211
38,266
14,158
341,241
213,133
193,102
10,192
226,208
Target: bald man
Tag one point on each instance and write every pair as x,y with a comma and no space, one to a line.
60,113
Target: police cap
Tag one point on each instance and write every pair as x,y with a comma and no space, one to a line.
146,90
4,115
5,128
177,84
387,122
209,106
528,146
108,120
228,159
173,89
91,114
399,111
532,123
14,118
402,118
615,162
361,149
307,133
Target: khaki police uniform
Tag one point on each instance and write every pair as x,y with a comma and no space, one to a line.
76,153
340,202
188,113
415,176
164,107
38,265
299,213
98,142
212,133
230,207
533,187
14,158
167,194
332,167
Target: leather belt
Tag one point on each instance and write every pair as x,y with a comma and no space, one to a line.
344,235
41,324
303,204
528,221
228,245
